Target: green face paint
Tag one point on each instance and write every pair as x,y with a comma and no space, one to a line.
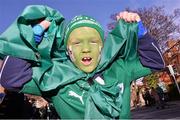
84,47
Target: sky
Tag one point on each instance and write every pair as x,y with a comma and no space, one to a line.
99,9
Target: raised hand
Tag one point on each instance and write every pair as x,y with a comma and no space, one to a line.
128,16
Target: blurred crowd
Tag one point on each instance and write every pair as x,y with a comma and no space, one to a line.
24,106
149,96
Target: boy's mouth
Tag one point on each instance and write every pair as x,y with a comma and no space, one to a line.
86,61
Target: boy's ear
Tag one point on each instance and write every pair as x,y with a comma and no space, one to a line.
69,48
100,48
69,51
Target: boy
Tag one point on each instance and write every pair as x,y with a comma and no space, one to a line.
94,80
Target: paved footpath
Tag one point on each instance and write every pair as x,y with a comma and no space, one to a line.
171,111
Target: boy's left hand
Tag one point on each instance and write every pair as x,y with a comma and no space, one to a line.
128,16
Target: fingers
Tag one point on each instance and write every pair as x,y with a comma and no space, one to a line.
128,16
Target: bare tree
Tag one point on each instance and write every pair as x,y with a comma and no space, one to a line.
160,25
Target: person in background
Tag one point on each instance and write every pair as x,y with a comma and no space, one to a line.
155,97
161,96
164,87
147,97
134,97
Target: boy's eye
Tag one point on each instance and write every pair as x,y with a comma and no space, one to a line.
76,42
93,41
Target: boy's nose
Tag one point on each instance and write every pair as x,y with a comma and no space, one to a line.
86,48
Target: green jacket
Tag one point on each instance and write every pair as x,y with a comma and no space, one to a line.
104,93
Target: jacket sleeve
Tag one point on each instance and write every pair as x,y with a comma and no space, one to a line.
149,53
15,73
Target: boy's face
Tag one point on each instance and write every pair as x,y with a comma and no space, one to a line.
84,47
